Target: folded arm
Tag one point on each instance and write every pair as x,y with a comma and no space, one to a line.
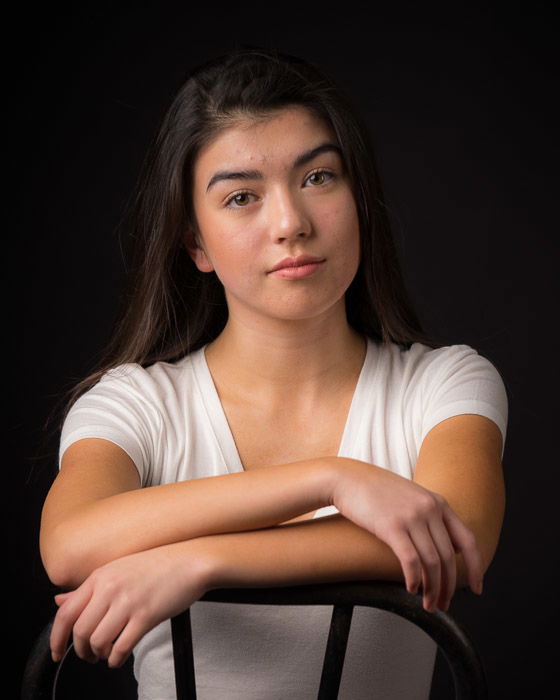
436,532
129,596
96,511
460,459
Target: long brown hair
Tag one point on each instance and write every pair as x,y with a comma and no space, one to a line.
170,308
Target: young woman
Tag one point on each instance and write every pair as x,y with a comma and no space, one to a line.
270,411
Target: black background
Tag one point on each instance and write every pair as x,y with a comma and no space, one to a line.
460,99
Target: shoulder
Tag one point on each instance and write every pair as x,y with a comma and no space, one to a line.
437,383
422,363
156,374
138,408
130,392
455,366
155,384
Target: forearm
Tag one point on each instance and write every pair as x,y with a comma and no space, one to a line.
107,528
320,550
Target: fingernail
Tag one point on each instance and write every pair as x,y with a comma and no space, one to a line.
55,657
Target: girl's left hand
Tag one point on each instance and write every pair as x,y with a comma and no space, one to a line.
121,601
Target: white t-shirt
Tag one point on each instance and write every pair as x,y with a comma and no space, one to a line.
169,419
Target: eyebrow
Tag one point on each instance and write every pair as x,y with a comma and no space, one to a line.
257,175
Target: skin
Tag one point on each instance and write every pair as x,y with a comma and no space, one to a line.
287,358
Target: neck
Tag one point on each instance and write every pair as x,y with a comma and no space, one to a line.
279,355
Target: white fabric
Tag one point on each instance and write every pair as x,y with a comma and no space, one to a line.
169,419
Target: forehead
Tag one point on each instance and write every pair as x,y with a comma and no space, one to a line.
275,140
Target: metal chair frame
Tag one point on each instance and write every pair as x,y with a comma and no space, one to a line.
41,674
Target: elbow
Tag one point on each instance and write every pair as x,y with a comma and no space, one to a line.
63,559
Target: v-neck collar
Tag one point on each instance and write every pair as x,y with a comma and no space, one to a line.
215,411
222,431
362,393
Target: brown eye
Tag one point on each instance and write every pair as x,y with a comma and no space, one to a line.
319,177
241,199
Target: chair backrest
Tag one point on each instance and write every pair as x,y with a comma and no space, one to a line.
41,675
456,647
73,678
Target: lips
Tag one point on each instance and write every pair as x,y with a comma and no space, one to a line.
299,261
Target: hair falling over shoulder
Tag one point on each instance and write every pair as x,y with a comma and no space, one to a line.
169,308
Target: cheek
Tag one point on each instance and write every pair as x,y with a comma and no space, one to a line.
346,242
233,255
344,228
226,240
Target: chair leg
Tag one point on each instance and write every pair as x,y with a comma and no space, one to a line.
335,652
183,658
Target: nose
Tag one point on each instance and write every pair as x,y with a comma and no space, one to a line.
289,219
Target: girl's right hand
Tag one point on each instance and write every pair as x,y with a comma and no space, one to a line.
121,601
417,524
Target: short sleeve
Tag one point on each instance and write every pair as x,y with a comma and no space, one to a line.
117,410
458,381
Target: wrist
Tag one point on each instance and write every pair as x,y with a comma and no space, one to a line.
330,474
339,472
198,563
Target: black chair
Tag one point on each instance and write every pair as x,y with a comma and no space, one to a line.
41,677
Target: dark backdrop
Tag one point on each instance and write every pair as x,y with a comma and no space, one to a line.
460,101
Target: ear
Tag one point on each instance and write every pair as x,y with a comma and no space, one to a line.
198,254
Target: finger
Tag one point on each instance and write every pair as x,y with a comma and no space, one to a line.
64,620
86,624
127,640
61,597
446,552
107,631
465,544
431,566
406,553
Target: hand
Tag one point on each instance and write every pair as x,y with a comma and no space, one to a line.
121,601
418,525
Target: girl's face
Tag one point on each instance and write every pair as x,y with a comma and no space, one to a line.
276,217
